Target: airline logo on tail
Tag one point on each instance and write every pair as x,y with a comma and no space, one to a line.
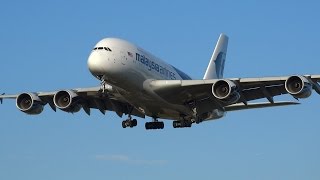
219,62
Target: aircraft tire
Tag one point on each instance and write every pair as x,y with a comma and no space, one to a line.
124,124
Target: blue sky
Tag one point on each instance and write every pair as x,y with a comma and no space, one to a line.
45,44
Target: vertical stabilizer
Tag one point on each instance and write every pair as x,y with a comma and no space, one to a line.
218,58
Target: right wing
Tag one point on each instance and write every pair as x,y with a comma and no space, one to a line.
69,101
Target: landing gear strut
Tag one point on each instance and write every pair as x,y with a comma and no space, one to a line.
155,124
129,122
103,85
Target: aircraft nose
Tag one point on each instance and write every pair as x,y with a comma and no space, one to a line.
96,64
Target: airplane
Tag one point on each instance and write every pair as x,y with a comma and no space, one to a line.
136,83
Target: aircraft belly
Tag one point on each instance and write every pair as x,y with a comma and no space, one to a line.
154,107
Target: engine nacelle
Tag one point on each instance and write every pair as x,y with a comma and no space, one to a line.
226,91
67,101
29,103
298,86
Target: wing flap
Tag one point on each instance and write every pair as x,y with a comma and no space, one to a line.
259,93
240,106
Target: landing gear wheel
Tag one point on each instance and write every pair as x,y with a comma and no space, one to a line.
147,126
161,125
134,122
181,124
129,123
175,124
154,125
124,124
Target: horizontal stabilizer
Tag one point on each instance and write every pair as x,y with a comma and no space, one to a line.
241,106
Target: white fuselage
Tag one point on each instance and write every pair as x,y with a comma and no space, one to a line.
128,68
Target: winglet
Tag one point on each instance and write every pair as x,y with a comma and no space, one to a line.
216,64
1,99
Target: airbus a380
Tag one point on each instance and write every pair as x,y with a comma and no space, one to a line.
136,83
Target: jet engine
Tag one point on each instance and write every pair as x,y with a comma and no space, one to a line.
67,101
298,86
29,103
226,91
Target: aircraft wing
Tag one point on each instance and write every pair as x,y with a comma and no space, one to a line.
185,91
91,97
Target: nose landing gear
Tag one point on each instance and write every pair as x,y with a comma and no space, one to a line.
103,85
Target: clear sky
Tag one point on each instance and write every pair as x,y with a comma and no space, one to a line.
45,44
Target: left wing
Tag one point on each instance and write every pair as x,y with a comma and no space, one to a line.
73,100
225,92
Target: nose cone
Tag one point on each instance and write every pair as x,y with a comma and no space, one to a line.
96,64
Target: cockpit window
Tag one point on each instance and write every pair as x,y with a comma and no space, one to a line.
102,48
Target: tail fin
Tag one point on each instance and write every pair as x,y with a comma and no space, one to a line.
216,64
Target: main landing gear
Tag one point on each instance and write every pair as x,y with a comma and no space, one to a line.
182,124
155,124
129,122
